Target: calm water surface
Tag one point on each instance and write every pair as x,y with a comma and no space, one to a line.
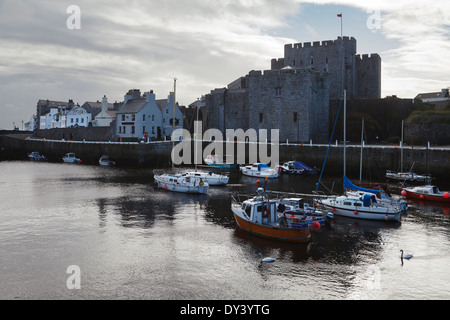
133,241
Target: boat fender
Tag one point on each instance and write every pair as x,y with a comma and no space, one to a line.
201,183
316,225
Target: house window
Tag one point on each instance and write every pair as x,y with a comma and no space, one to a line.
153,117
295,116
326,60
78,120
120,129
124,129
133,117
123,117
153,130
132,129
71,120
143,117
143,129
260,118
82,120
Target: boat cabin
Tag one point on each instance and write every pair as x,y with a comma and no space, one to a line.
260,211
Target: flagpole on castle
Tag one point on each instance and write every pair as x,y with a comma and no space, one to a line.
340,16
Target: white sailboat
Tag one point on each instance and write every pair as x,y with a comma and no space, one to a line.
259,170
364,205
181,182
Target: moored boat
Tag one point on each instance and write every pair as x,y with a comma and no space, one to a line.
363,206
314,216
70,158
217,162
35,156
259,170
181,183
428,192
258,215
409,177
295,168
106,161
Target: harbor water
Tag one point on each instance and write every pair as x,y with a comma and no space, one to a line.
129,240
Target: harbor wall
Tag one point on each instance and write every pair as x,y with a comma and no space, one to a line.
376,159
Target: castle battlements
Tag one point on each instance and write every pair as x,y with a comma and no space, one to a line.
324,43
368,56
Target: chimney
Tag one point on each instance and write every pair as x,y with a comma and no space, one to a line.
104,104
150,96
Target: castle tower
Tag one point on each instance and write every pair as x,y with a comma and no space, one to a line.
337,58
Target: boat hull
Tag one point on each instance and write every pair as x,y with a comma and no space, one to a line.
362,214
287,235
428,197
182,188
262,174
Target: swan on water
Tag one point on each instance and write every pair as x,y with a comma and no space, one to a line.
406,256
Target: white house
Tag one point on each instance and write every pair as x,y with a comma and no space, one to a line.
55,118
105,117
31,125
168,116
139,116
439,99
78,117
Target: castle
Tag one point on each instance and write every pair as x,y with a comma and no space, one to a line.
360,75
294,95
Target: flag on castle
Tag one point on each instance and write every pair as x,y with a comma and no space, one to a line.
339,15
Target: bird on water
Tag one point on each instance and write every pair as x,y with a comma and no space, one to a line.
267,260
406,256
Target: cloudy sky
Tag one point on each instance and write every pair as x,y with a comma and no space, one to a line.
205,44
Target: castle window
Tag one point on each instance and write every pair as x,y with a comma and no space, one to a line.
326,60
143,117
278,92
260,118
312,60
293,63
295,117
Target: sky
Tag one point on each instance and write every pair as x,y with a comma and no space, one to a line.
109,47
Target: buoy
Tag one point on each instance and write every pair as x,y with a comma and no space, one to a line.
316,225
165,187
422,196
446,195
404,193
355,212
258,181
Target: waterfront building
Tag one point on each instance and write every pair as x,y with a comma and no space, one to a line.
78,117
167,111
439,99
105,116
55,117
31,125
139,116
